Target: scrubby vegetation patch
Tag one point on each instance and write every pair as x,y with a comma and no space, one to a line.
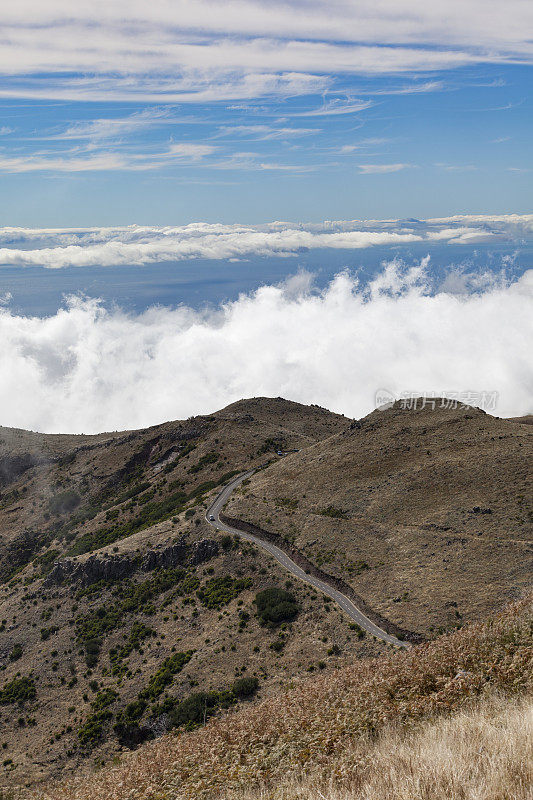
218,592
18,690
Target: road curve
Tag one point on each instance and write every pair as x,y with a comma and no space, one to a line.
344,602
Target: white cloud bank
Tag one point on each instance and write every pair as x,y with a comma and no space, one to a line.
59,248
86,369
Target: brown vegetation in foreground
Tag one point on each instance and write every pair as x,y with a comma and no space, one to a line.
483,753
418,724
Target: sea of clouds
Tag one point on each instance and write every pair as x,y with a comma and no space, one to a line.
89,369
139,245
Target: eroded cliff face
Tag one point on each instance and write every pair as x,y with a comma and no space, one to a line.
115,567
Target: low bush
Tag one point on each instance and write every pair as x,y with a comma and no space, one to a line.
275,605
196,709
245,687
93,626
210,458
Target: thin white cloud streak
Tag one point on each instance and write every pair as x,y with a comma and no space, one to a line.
215,86
337,107
382,169
73,161
87,370
138,56
457,167
263,132
56,249
113,127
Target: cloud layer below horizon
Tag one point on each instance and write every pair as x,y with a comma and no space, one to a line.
136,245
88,369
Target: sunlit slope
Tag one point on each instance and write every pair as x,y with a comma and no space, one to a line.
427,513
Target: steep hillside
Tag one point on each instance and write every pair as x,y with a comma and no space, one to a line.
427,513
123,615
447,717
114,589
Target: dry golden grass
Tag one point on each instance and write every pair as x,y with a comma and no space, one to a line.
481,754
346,729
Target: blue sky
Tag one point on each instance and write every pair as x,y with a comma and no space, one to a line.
165,113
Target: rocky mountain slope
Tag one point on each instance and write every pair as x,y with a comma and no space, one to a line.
123,615
114,589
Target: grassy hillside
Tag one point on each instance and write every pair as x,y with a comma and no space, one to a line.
448,719
426,513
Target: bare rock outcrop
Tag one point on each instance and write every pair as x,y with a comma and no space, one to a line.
117,567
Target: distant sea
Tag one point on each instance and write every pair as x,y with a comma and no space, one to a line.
37,291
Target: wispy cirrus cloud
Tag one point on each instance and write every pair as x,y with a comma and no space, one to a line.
337,106
209,51
114,127
265,132
267,87
382,169
140,37
456,167
85,160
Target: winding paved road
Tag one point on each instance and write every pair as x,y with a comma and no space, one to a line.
344,602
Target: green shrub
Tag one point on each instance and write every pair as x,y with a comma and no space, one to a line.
360,633
332,511
91,627
210,458
149,514
139,632
165,675
271,444
92,652
127,728
92,729
16,652
46,561
18,691
275,605
245,687
197,708
47,632
133,491
131,734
